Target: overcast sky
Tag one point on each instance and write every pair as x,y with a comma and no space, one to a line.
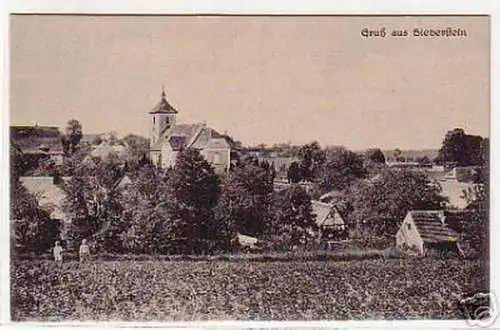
260,79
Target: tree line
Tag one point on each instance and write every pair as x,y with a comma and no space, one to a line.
181,210
190,209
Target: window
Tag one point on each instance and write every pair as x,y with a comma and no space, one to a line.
408,225
153,119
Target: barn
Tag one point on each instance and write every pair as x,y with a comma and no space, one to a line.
423,231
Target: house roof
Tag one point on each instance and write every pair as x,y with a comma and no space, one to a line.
217,143
431,227
50,196
32,137
163,106
104,149
124,182
326,214
331,196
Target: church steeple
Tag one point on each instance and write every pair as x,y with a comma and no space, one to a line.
163,117
163,106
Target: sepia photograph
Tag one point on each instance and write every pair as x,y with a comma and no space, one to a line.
249,168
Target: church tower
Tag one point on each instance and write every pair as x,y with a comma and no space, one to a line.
163,116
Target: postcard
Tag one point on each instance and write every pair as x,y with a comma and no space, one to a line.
191,168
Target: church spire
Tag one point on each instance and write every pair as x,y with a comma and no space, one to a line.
163,106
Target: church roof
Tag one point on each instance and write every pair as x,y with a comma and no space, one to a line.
163,106
178,142
191,135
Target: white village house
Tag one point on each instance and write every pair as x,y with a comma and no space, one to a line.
425,230
168,138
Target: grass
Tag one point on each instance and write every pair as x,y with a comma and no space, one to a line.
246,290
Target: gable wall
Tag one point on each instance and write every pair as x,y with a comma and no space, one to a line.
408,235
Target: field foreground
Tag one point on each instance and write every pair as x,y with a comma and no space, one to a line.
184,291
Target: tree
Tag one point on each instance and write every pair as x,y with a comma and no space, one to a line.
311,158
380,205
145,212
72,162
483,173
375,155
246,196
97,140
424,160
293,173
476,228
74,133
138,151
294,222
93,201
32,228
460,148
341,168
193,188
397,154
138,144
17,165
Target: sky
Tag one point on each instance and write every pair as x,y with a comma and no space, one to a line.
261,79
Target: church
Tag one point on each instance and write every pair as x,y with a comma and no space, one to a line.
167,139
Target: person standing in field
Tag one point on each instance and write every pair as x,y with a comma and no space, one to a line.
84,251
58,252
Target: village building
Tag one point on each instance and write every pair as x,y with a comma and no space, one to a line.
423,231
38,142
329,221
49,194
462,173
108,147
124,182
168,138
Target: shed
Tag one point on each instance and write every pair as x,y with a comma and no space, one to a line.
425,230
